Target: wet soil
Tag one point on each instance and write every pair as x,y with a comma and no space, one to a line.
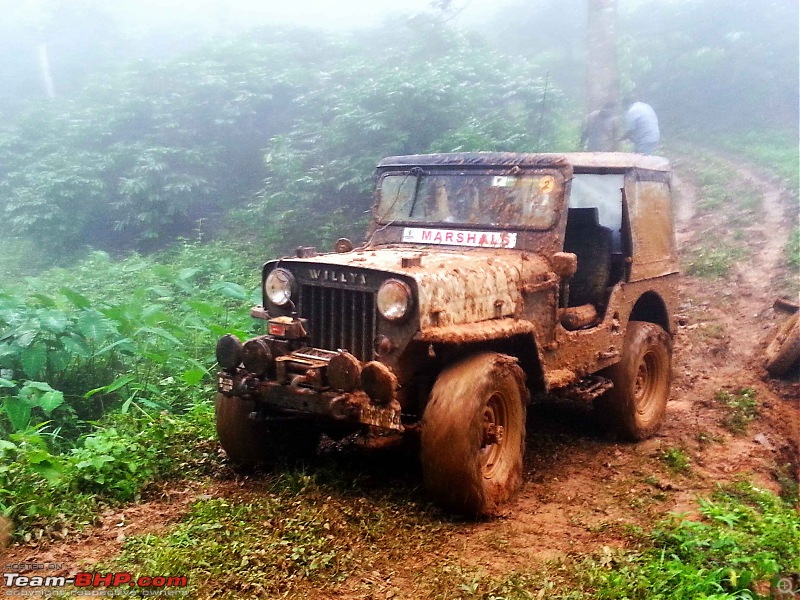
582,491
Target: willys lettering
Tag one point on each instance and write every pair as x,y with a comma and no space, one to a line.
340,276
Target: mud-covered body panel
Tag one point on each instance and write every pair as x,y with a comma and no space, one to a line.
575,354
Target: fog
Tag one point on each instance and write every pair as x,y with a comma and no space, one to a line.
141,118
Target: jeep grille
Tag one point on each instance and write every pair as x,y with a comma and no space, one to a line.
340,318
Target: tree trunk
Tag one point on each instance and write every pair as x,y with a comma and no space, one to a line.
602,82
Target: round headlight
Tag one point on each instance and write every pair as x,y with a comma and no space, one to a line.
278,286
394,299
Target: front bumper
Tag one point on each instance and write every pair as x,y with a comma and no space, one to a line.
295,398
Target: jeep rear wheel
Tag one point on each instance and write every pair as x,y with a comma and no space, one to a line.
637,402
473,434
249,442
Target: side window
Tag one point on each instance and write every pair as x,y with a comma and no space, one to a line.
603,192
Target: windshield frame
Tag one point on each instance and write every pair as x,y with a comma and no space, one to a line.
417,174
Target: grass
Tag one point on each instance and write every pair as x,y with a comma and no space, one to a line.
793,250
299,531
742,408
357,530
676,459
773,150
742,541
728,200
713,262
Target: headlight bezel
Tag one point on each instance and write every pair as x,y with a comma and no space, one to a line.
286,288
397,308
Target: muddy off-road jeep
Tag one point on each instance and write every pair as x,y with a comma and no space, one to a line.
486,280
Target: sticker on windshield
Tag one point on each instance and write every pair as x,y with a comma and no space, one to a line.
503,181
454,237
547,184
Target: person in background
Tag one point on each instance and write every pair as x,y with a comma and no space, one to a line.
642,127
600,131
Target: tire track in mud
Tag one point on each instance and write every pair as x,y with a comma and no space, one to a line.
772,226
741,303
721,346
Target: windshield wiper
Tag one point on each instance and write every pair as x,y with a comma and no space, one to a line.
418,172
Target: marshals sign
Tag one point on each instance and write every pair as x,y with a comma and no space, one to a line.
455,237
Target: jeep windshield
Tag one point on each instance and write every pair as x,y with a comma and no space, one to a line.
523,200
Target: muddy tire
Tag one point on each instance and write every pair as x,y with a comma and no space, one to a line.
635,406
784,349
470,465
250,443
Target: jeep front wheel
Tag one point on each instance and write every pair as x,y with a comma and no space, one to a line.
637,402
249,442
473,434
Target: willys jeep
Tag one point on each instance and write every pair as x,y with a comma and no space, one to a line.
486,280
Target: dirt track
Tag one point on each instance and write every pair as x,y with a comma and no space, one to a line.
581,489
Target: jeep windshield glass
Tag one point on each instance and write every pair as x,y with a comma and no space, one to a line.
470,199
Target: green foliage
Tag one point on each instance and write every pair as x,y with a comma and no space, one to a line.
34,394
129,404
715,64
136,159
427,90
676,460
713,263
746,539
793,249
742,408
163,150
44,492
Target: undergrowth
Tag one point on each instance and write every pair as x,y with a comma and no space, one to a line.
299,531
105,389
742,408
53,494
731,204
742,543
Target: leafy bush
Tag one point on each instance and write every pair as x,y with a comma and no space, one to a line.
131,402
44,493
746,539
429,91
166,150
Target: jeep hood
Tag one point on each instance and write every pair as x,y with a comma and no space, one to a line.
454,286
